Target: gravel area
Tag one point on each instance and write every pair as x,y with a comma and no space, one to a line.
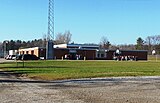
100,90
18,90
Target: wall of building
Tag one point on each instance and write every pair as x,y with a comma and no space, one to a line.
13,52
59,53
39,52
140,54
89,54
42,53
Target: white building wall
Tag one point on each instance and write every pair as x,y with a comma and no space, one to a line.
12,52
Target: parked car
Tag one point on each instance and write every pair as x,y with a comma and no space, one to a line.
19,57
28,57
6,57
10,57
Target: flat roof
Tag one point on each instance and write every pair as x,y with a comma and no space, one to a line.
132,50
76,46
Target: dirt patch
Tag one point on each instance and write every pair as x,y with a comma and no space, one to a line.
100,90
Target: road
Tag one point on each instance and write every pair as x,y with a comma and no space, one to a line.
97,90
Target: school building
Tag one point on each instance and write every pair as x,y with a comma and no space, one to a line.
84,51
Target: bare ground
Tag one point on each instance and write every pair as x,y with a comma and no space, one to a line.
100,90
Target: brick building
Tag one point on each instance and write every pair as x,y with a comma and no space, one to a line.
81,51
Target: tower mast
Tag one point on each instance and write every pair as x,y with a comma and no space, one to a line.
50,34
51,20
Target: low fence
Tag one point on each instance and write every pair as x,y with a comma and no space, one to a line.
154,57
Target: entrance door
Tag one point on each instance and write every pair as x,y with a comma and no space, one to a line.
72,54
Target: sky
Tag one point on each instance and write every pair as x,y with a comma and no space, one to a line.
121,21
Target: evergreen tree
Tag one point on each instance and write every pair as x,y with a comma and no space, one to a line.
140,43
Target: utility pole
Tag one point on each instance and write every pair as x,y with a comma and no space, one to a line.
50,34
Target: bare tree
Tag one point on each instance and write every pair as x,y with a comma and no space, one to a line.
157,39
1,46
63,38
149,43
44,39
67,36
59,38
104,43
126,47
153,42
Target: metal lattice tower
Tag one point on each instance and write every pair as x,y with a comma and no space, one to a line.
51,20
50,35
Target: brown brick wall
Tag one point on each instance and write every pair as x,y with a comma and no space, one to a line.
89,54
59,53
141,55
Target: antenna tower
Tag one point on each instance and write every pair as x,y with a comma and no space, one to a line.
51,20
50,34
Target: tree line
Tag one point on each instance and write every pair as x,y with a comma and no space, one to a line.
149,43
61,38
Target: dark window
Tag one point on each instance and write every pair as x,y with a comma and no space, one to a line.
32,52
102,55
98,55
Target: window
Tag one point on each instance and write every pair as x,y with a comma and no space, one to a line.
32,52
98,55
102,55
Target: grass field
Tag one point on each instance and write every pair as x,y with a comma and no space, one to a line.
153,57
56,70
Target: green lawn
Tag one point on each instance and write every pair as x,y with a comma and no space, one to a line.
55,70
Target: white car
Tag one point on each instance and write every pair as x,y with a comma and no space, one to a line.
10,57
